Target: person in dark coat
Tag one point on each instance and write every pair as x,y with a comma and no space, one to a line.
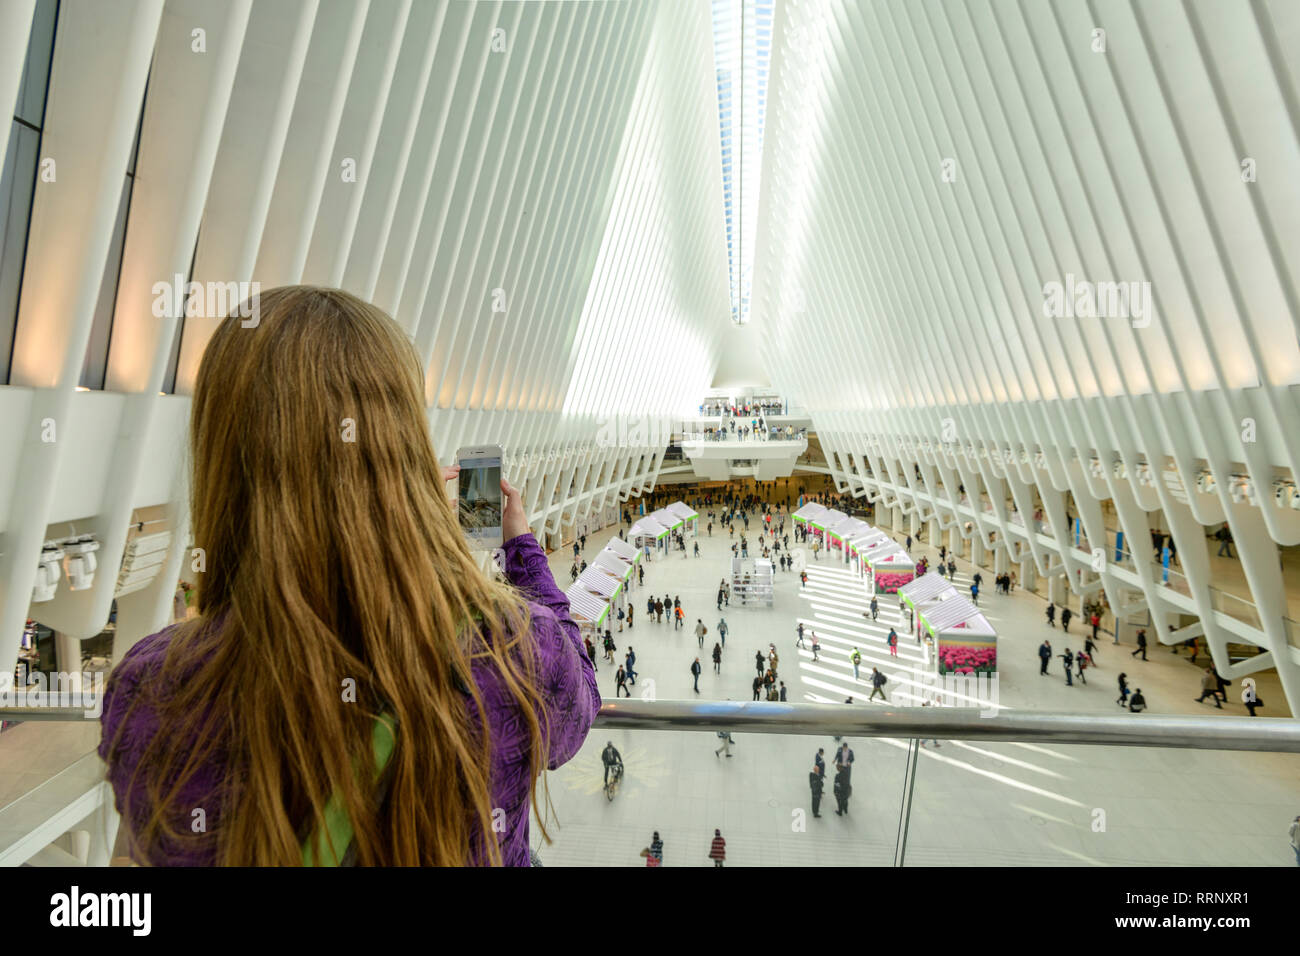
695,672
1066,614
1044,656
817,785
1142,644
717,658
843,790
758,687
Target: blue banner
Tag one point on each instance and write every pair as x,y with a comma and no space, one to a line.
1164,561
1119,546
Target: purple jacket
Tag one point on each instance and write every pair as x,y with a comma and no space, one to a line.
566,675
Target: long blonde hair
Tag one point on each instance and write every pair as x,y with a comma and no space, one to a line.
332,555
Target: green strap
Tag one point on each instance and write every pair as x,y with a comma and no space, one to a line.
318,851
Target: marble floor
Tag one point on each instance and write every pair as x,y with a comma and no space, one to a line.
996,804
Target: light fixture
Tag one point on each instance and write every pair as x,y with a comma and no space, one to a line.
47,575
81,562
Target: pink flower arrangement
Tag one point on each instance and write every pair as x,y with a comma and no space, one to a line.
888,582
967,660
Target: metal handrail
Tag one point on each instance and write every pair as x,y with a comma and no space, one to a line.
1279,735
1275,735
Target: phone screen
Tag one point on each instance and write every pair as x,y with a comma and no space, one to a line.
479,497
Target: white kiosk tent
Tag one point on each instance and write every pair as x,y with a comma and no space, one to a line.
647,532
846,531
890,568
669,520
964,640
588,611
825,521
861,545
628,552
604,585
689,516
927,589
809,511
609,561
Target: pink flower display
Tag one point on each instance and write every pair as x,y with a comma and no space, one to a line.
888,582
962,659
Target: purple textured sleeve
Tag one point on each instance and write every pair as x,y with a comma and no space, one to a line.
568,680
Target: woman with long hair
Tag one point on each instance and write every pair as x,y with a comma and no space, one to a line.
353,688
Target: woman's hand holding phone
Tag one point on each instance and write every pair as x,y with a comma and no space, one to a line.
513,521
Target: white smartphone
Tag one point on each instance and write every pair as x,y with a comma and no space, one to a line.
478,495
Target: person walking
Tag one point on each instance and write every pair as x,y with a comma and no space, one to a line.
609,647
659,611
875,608
1142,644
781,696
700,631
621,677
799,631
680,618
630,609
1224,537
856,658
819,761
621,615
803,579
630,660
1066,614
816,784
719,597
1069,667
718,848
1248,695
1210,687
695,673
697,549
1089,643
1122,700
591,652
1095,621
878,680
1051,614
717,658
893,642
1081,659
722,630
816,646
725,737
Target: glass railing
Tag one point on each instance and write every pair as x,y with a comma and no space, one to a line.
928,786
